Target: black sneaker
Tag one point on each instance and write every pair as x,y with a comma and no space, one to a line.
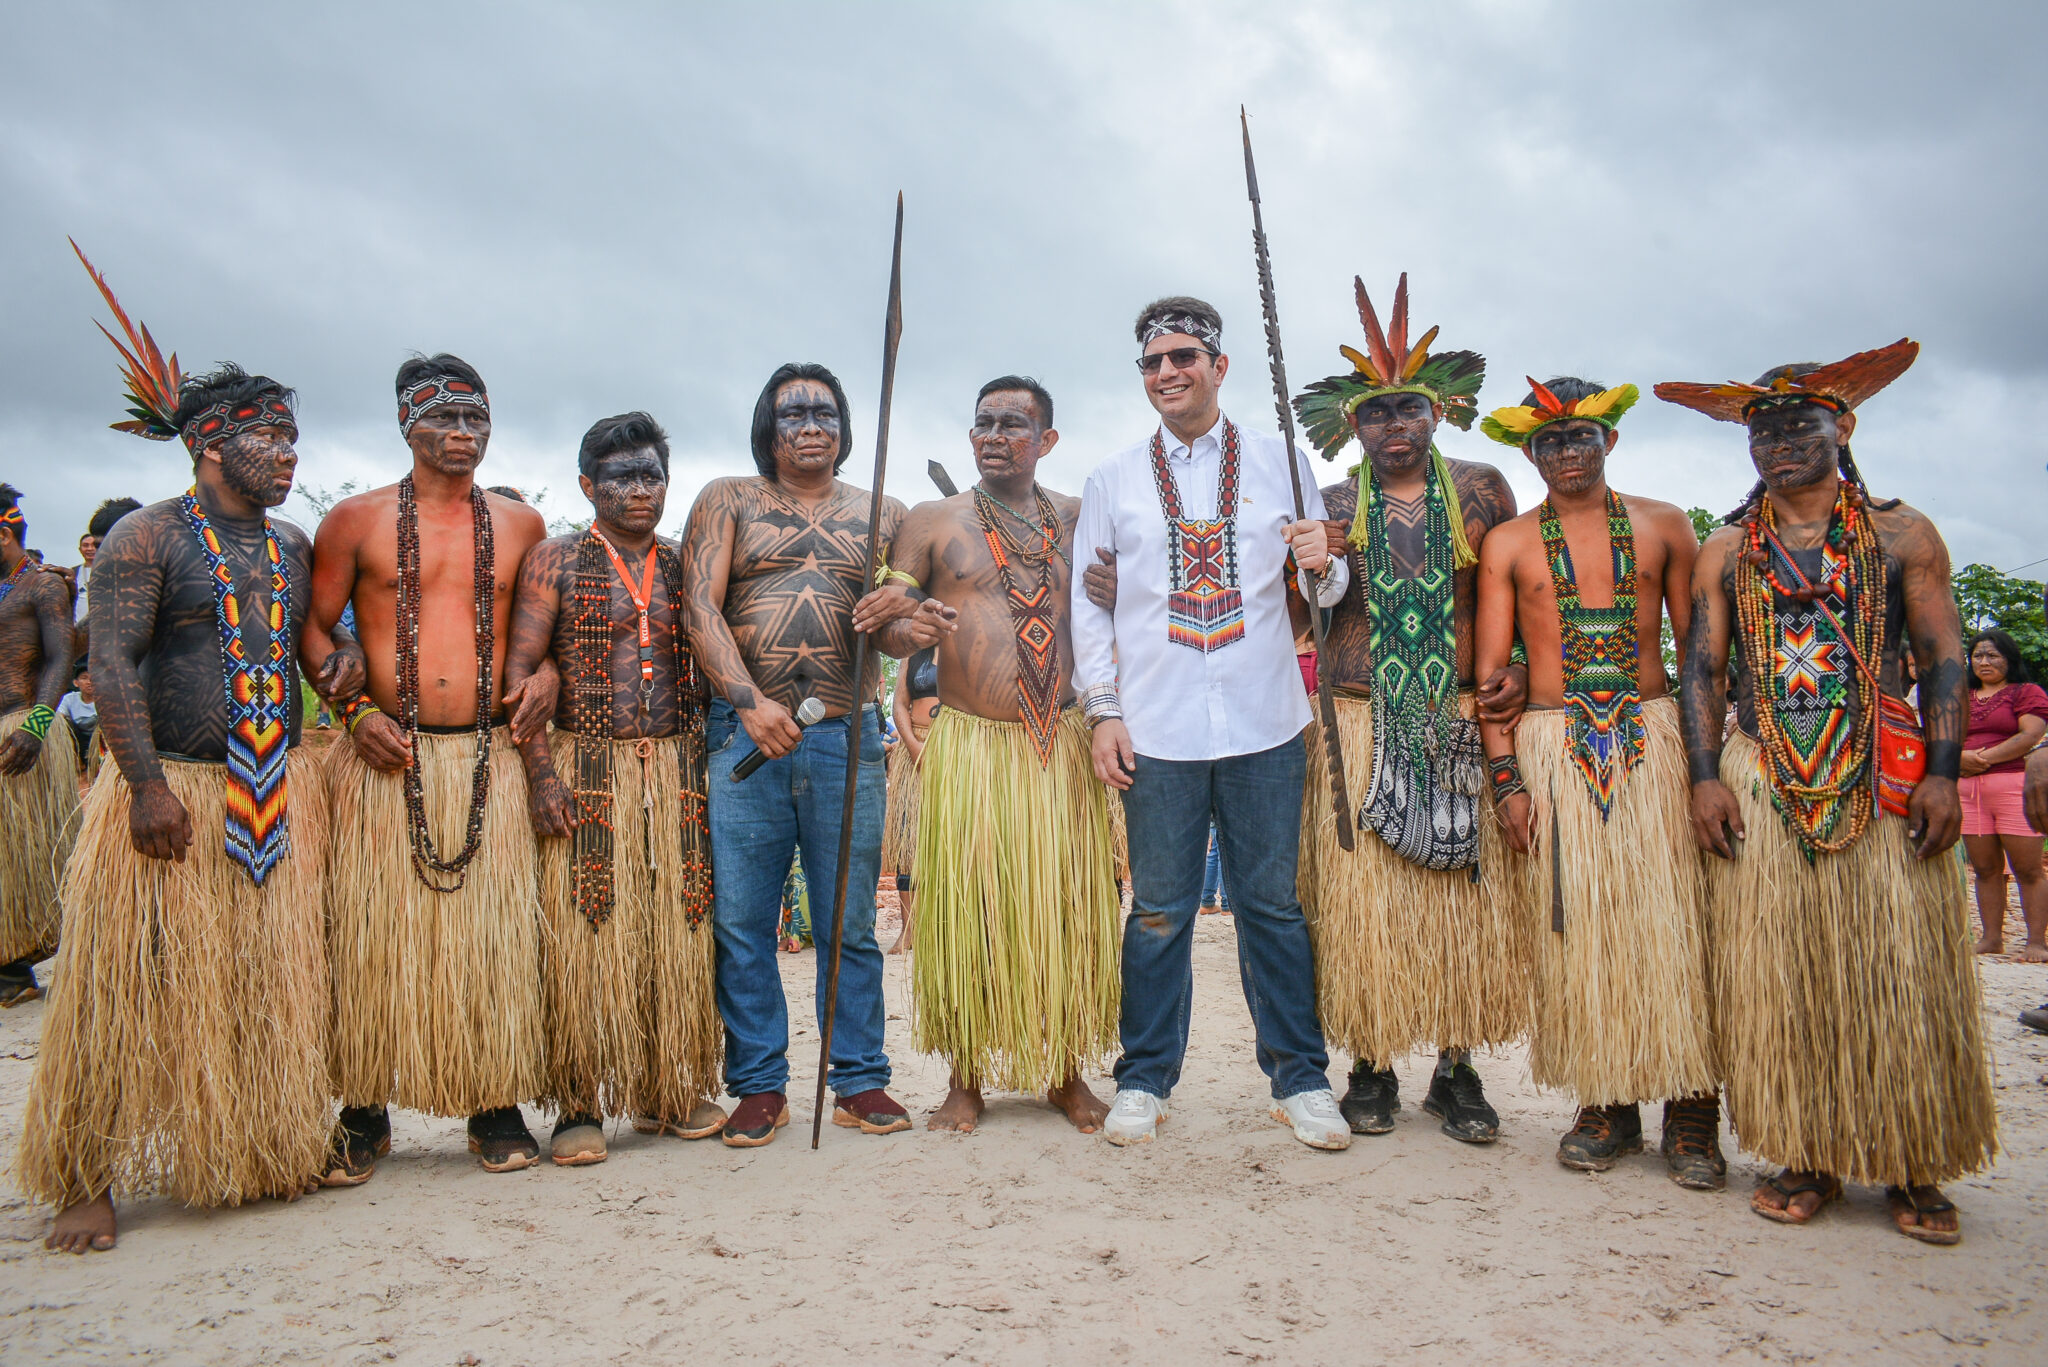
1602,1136
1458,1100
18,983
361,1136
1370,1102
2036,1018
501,1140
1692,1142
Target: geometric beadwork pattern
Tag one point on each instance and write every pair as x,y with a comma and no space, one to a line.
1034,615
1602,667
1412,632
257,829
1204,606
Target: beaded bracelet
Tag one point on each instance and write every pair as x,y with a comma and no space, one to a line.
1518,654
1507,778
353,711
37,722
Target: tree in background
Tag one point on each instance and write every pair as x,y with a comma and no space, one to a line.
1987,597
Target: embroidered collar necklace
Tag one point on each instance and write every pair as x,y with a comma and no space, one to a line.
1204,606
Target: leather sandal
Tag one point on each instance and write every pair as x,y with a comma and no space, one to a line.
1819,1184
1910,1201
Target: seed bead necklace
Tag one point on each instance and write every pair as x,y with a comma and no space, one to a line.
1032,616
427,864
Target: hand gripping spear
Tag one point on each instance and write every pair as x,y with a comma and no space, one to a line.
892,331
1326,705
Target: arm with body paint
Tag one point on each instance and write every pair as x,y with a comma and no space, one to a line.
1493,640
1703,693
904,621
536,606
709,540
127,590
1934,812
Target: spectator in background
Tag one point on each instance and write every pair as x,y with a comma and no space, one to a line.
2036,1017
78,710
2008,716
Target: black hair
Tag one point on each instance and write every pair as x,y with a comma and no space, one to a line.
1021,384
1177,306
1845,464
107,514
230,385
505,491
626,432
10,499
416,368
1568,388
764,413
2016,671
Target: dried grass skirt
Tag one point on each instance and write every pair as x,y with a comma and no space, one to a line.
1015,978
437,1002
899,825
1405,956
1846,994
38,823
632,1023
1622,1011
183,1048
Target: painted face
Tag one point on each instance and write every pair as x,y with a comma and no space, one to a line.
1795,447
806,428
1571,455
1183,391
1007,438
1395,430
451,439
1987,662
258,463
629,490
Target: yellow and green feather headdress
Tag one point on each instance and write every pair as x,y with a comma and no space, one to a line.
1516,426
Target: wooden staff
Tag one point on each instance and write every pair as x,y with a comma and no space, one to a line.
892,331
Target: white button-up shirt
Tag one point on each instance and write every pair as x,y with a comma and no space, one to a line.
1178,702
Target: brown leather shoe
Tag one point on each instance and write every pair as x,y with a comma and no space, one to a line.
706,1118
755,1120
871,1112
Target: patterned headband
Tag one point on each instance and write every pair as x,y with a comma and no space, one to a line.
12,517
1192,327
438,392
220,421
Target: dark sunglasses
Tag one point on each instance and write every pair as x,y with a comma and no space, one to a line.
1183,358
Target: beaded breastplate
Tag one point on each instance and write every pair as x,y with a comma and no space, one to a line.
1602,660
1204,606
1034,615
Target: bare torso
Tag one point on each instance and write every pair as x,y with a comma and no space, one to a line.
549,613
943,546
783,575
35,612
359,560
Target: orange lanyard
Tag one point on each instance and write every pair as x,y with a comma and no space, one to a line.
641,597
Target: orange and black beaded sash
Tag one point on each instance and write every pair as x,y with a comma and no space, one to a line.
1602,671
258,833
1204,607
1816,713
593,878
1034,612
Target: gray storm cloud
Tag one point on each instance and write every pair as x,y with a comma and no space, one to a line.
651,207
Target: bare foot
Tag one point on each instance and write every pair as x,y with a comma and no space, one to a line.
1793,1198
89,1225
1987,945
1084,1109
902,945
2036,954
960,1113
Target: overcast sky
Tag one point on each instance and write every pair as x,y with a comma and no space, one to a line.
653,206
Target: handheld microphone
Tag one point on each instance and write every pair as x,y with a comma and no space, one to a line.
808,711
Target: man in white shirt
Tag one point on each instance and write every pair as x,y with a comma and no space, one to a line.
1197,705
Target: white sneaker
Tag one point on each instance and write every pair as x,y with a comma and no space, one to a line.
1134,1118
1314,1118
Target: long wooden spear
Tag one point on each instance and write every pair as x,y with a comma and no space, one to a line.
892,331
1326,703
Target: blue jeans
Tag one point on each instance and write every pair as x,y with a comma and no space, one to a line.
1213,891
1255,801
757,826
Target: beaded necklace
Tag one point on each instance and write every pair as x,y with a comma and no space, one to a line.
1204,608
258,833
1602,662
640,596
427,864
1033,615
1818,754
1413,630
7,587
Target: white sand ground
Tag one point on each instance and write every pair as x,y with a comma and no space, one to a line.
1026,1243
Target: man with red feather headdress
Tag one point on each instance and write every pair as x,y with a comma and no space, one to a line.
1845,986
